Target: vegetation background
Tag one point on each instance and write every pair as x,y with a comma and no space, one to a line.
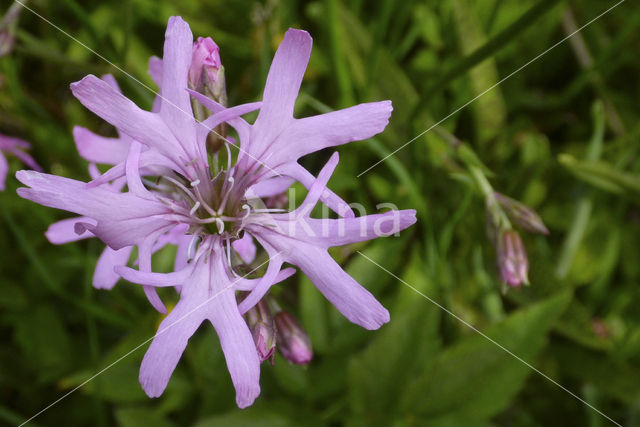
560,135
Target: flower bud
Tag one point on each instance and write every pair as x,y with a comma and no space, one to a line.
522,214
7,29
206,73
262,326
293,341
512,259
279,201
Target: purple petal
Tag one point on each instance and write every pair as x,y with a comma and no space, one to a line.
182,253
208,293
134,219
319,185
99,149
66,194
331,129
63,231
281,88
132,169
265,283
245,247
168,344
145,251
26,159
243,284
328,233
225,115
111,81
150,161
328,197
240,125
270,187
176,105
7,142
121,232
155,70
235,339
143,126
348,296
154,279
4,171
104,276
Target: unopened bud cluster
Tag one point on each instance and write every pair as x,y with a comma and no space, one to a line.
282,331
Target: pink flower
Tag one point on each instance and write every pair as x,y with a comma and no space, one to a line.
206,213
16,147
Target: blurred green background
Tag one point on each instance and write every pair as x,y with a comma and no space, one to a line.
561,136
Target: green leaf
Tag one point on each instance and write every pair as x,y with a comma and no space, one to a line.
615,378
379,374
44,340
577,324
117,384
602,175
475,379
292,378
251,417
134,417
488,49
489,109
314,316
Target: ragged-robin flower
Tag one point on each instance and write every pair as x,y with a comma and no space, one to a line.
219,205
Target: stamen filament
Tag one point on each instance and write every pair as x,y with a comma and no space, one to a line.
194,208
182,187
227,193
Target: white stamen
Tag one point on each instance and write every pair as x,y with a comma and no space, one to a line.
248,209
194,183
192,246
229,253
194,208
227,192
228,156
269,210
204,204
182,187
220,225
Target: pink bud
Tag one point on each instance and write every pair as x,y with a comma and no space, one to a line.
512,259
293,341
7,28
279,201
261,324
205,63
522,214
